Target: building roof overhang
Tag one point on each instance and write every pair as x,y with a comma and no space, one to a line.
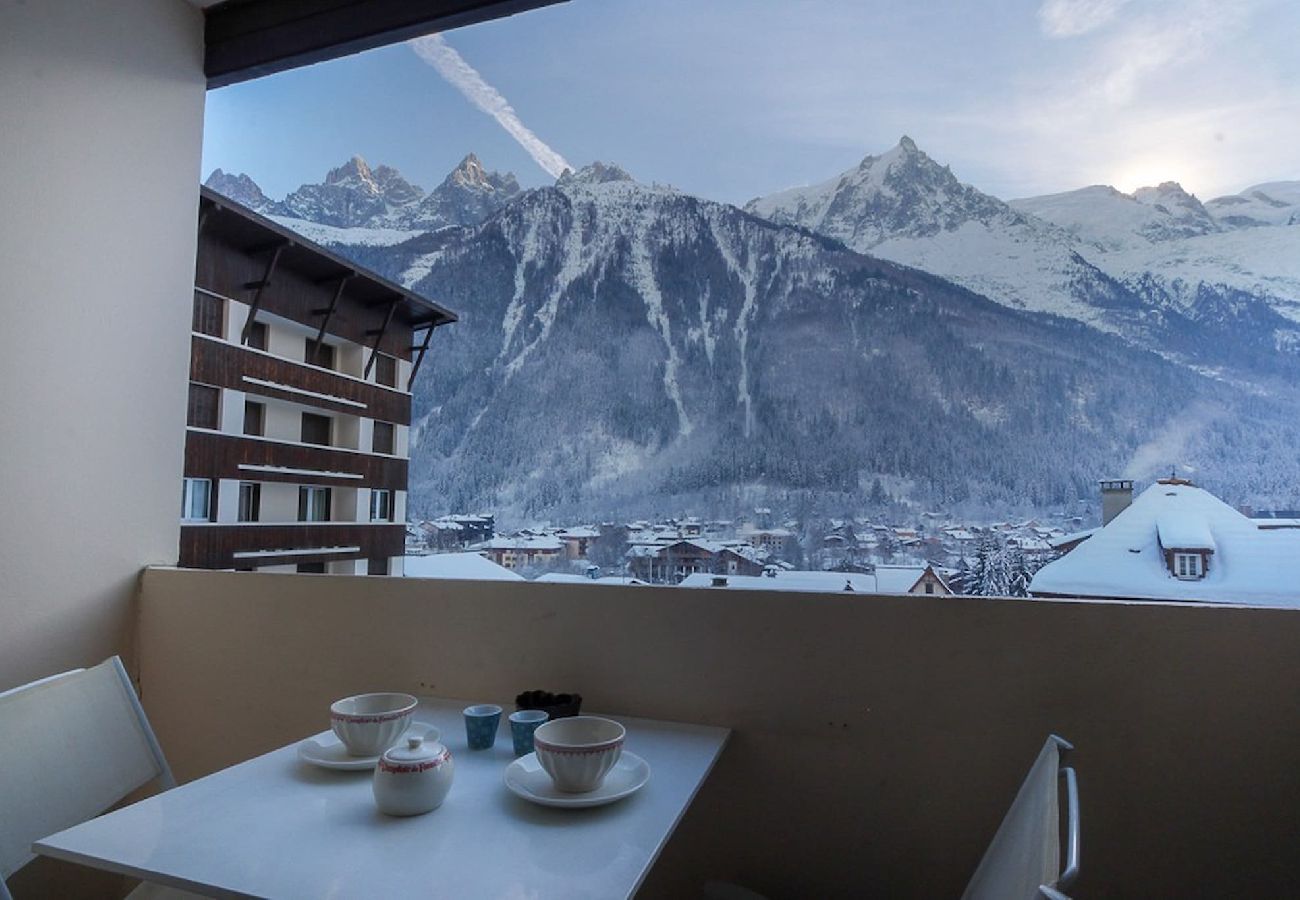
248,231
246,39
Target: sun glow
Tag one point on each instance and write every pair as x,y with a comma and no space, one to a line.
1149,172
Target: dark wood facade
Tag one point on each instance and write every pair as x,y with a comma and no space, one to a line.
216,545
211,454
219,364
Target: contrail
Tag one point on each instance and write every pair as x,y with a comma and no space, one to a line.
462,76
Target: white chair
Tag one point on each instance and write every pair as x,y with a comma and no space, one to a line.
1024,860
71,746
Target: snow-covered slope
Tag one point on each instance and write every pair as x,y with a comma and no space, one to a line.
1166,246
1112,220
1274,203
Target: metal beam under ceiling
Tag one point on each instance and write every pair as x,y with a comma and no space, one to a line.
247,39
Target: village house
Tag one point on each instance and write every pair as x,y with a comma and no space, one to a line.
523,550
671,561
1178,542
577,540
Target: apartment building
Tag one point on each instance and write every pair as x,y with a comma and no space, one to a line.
297,431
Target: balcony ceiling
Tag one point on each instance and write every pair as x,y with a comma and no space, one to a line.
250,38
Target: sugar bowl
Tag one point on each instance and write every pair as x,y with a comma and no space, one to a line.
413,777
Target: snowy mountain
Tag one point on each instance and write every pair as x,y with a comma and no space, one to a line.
356,196
353,195
625,348
1095,255
466,197
905,207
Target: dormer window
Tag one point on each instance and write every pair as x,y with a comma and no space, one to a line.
1189,566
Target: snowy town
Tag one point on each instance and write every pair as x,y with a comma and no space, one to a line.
1171,541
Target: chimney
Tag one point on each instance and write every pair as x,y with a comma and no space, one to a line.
1116,495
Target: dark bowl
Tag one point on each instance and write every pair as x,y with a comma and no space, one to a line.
557,706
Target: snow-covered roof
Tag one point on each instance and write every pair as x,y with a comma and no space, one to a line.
580,532
897,579
1073,537
522,543
469,566
1125,559
1182,532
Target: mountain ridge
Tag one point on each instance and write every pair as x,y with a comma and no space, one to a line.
626,348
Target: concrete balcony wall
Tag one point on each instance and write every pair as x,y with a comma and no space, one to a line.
878,740
101,109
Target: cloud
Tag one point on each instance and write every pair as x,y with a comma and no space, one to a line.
1070,18
461,75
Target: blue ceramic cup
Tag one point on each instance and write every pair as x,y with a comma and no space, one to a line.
481,723
522,726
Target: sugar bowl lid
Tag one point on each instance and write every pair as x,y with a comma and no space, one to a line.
416,748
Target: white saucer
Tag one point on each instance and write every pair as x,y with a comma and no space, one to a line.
526,777
327,751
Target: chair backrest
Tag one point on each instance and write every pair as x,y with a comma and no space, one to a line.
1024,860
71,746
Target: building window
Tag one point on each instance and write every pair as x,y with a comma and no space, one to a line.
204,407
196,500
1188,565
323,357
385,370
250,501
313,504
316,429
381,506
209,314
316,568
377,566
929,587
383,440
257,336
254,418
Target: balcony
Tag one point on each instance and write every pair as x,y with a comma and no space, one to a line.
224,365
878,740
250,543
212,454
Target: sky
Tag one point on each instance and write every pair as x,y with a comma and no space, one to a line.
733,99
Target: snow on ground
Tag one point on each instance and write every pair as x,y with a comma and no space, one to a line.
360,237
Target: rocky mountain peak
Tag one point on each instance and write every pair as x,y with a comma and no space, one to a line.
354,173
595,173
469,172
1170,198
243,190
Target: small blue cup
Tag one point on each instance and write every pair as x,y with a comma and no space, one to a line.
481,723
522,726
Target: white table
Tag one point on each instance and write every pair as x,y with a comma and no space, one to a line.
277,827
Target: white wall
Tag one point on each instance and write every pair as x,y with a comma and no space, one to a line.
101,120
